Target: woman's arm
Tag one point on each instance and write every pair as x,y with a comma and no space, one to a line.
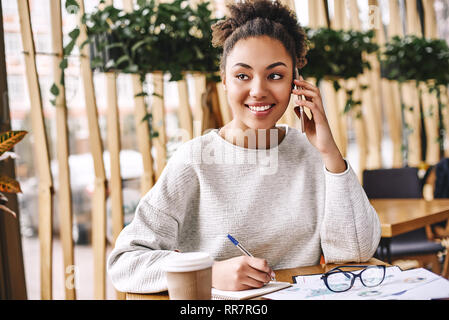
350,228
135,263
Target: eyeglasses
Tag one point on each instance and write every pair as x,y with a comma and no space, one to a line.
340,280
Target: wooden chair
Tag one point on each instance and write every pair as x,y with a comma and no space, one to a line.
403,183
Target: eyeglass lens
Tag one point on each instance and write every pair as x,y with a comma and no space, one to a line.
341,281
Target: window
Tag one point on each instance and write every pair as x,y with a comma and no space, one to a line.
16,89
9,7
13,43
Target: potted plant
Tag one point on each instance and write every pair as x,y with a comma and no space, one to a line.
170,37
338,54
424,61
7,184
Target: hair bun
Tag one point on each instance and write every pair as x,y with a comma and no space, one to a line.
242,12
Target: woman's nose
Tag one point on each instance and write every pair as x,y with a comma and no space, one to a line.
258,88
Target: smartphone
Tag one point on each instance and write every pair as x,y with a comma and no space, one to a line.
301,108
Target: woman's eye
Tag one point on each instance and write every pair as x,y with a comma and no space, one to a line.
275,76
242,76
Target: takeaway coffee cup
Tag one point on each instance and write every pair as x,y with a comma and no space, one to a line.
189,276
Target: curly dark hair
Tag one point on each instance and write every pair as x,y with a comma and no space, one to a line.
253,18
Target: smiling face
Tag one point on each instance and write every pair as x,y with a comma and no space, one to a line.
258,78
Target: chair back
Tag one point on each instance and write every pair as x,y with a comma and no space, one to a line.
392,183
442,179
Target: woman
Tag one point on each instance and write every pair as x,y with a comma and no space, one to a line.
306,202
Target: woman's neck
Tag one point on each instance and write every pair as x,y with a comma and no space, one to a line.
252,138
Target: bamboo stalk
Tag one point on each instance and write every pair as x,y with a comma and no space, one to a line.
214,103
369,108
430,100
224,106
142,130
412,117
391,92
200,110
45,188
114,146
65,196
96,144
158,112
184,111
410,95
431,121
340,22
332,99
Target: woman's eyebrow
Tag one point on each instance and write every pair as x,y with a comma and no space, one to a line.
271,66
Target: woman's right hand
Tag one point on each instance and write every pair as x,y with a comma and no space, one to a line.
241,273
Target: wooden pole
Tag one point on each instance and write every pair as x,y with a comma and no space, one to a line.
184,111
158,112
200,110
142,128
96,144
391,91
340,22
62,137
114,146
332,100
369,107
410,95
430,100
45,188
226,112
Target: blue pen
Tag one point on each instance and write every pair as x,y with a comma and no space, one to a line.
238,245
241,248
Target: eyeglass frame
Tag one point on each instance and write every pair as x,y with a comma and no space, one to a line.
354,275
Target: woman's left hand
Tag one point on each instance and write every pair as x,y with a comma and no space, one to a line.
317,129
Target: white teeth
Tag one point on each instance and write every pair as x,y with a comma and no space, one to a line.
263,108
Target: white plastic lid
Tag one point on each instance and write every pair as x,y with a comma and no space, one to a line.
185,262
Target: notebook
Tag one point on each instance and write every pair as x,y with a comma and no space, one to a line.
250,293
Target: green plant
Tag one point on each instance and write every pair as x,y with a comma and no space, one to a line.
168,37
338,54
7,184
424,61
416,58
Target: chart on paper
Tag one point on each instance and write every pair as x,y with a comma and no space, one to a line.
411,284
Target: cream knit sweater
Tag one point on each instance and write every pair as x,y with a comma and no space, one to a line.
281,204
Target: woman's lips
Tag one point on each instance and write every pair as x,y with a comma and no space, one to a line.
259,109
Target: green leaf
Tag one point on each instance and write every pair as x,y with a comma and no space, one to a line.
54,89
72,6
69,48
74,33
63,64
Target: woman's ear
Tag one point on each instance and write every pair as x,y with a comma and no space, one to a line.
223,80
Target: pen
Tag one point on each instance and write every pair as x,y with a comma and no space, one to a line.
241,248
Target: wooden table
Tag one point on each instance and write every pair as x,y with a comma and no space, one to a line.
399,216
281,275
